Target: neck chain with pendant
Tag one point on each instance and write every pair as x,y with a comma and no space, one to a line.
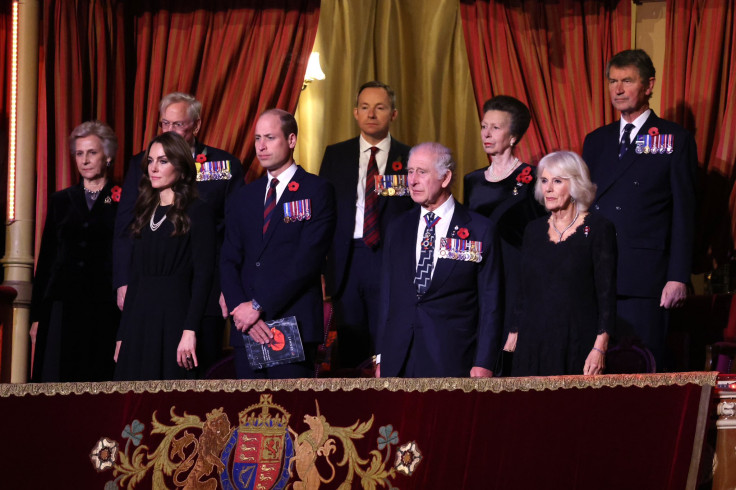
560,233
155,225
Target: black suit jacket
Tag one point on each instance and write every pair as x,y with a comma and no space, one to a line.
75,260
651,201
456,324
340,166
282,269
213,192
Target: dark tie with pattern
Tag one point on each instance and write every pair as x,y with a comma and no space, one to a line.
270,204
625,141
423,276
371,233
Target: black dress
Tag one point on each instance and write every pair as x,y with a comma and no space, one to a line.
170,279
511,206
73,300
569,297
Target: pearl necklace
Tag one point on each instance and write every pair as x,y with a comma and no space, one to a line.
492,171
93,194
155,225
560,233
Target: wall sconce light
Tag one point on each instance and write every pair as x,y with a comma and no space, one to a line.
314,72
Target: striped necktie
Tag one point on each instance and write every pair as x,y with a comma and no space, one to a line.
270,204
625,141
371,231
423,276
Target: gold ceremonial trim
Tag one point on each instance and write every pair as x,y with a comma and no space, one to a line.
495,385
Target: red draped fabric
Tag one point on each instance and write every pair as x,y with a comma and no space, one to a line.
698,91
6,32
551,55
114,60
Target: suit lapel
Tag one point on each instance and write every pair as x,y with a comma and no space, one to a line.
611,173
443,269
408,243
277,219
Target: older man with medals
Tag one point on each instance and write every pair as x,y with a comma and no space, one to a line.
218,175
441,309
644,168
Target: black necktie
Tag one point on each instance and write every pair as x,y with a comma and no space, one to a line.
625,141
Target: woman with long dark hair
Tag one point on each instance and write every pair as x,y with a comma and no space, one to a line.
171,271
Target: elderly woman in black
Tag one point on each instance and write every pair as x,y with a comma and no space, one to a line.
567,309
503,191
73,312
172,266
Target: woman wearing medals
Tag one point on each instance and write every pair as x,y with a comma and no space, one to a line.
73,313
172,266
562,320
503,191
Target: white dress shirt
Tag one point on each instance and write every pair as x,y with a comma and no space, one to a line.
284,179
444,212
365,155
638,123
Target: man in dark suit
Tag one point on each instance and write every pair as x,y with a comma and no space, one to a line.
644,168
441,311
362,218
218,174
278,231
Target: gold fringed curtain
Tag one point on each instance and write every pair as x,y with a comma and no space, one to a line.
417,47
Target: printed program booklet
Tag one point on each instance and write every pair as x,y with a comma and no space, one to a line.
285,346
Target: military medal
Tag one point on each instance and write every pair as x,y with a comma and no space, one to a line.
639,145
669,146
297,210
647,144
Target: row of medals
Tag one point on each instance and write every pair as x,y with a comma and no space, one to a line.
214,171
391,185
297,210
457,249
661,143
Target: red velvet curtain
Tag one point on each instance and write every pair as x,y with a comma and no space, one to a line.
6,32
114,60
551,55
698,91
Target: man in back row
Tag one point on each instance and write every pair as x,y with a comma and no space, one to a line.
644,168
354,261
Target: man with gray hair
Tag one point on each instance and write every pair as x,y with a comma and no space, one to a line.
218,175
440,292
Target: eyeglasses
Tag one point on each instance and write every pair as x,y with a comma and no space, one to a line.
163,124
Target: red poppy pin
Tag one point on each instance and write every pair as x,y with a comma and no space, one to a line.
293,186
115,193
201,158
463,233
526,171
653,131
397,165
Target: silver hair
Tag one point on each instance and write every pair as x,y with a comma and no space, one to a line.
99,129
194,109
568,165
443,162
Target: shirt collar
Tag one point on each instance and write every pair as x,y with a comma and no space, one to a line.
444,211
638,123
383,145
285,176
